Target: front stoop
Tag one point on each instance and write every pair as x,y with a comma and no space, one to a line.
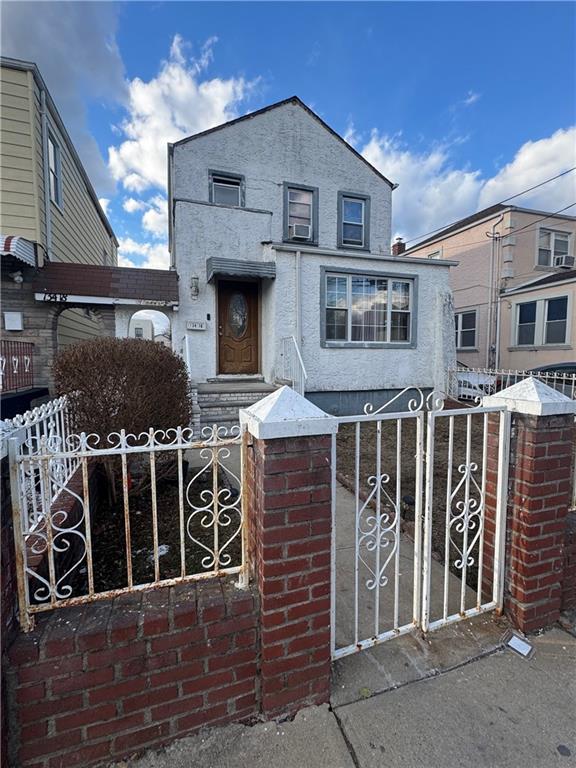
219,401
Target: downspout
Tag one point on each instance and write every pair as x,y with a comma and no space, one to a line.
498,306
298,300
46,173
491,292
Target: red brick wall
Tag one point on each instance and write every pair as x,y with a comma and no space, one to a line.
100,681
290,525
569,582
537,516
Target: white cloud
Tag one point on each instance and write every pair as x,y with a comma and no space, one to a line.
75,49
172,105
131,205
434,192
534,162
155,220
104,203
471,98
150,256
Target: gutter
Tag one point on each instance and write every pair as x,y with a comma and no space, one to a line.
46,174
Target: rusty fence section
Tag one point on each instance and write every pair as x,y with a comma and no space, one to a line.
95,518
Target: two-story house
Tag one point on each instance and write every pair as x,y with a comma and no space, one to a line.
58,253
280,234
49,213
514,286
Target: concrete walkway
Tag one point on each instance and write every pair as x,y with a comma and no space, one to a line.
497,711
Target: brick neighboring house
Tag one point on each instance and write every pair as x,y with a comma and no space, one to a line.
514,286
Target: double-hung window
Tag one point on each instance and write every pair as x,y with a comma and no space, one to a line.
300,213
55,171
364,309
353,221
465,323
226,189
553,248
542,322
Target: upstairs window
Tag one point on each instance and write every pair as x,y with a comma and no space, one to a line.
300,214
226,189
55,171
368,309
465,329
138,332
353,221
553,248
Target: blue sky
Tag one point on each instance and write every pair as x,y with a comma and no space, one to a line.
462,103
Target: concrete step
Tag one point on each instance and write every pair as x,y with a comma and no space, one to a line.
220,401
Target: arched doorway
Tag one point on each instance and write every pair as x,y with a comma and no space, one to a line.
152,325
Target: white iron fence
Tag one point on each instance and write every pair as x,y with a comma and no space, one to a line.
410,531
292,365
95,518
471,383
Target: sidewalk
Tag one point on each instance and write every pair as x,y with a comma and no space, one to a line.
498,710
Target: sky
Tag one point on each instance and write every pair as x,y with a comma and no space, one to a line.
461,103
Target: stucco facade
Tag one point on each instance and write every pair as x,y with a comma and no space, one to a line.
489,268
288,146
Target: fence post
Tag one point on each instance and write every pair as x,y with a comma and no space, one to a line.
539,493
24,618
288,480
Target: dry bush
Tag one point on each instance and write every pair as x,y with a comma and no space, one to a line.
130,384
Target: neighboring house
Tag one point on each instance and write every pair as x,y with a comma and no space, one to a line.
141,328
49,212
514,286
163,338
280,234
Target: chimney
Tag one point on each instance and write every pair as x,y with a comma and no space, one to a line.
398,247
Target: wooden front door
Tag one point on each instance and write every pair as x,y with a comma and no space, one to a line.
238,328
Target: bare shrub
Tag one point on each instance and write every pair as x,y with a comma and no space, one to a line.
129,384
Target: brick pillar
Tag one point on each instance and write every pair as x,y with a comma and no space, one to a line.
287,471
539,496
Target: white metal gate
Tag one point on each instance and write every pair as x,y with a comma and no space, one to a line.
412,545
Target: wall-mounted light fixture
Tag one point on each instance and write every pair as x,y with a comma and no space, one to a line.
194,286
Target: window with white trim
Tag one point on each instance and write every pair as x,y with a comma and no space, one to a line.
138,332
55,171
226,189
368,309
465,325
553,247
542,322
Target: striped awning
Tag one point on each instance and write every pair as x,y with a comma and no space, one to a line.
19,247
239,268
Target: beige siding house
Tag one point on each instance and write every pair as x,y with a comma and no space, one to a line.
514,286
49,212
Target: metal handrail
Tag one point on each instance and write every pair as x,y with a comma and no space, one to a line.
293,368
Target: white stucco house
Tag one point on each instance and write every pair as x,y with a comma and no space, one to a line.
280,234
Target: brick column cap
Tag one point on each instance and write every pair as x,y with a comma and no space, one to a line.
531,396
285,413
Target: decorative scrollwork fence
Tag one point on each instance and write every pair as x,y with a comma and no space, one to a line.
95,518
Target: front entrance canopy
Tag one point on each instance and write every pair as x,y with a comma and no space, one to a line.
93,284
216,266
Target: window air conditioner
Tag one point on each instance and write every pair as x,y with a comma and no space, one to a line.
300,231
564,261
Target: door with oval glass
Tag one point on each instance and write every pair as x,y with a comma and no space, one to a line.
238,327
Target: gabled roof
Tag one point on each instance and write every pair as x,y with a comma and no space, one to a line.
485,213
30,66
562,276
292,100
72,279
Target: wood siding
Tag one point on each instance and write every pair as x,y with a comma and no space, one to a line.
74,327
19,204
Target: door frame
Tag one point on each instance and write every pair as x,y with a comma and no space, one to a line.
233,280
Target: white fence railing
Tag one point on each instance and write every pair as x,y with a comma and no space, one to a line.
471,383
94,518
293,369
